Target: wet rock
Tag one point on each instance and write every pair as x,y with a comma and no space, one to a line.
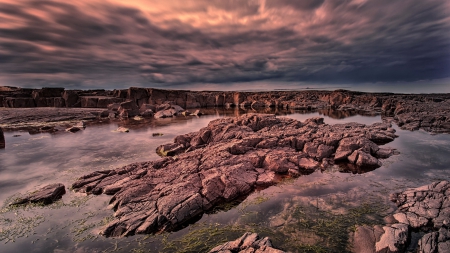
249,242
165,114
226,160
73,129
2,139
420,209
46,195
122,130
197,113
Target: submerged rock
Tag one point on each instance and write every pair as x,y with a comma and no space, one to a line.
249,242
122,130
46,195
226,160
73,129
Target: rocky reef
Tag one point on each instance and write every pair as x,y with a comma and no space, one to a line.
227,160
424,210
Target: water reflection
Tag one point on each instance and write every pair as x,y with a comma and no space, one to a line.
31,161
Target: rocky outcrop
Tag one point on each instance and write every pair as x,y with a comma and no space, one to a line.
430,113
2,139
46,195
426,209
226,160
248,243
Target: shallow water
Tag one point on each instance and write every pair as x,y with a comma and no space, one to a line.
32,161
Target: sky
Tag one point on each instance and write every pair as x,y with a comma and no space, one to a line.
226,44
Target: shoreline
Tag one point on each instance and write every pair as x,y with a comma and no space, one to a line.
410,111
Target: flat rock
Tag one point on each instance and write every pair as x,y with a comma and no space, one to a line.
424,206
46,195
226,160
249,242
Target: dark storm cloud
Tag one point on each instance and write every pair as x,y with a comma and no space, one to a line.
95,44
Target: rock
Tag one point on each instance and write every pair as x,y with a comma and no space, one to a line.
365,237
48,92
104,114
249,242
114,106
438,241
128,109
81,124
147,113
138,118
427,205
165,114
122,130
226,160
45,195
394,239
197,113
145,107
2,139
420,209
12,102
104,102
73,129
163,107
157,134
71,98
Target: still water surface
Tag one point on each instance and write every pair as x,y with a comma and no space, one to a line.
292,209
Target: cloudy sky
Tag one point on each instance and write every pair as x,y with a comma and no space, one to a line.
224,43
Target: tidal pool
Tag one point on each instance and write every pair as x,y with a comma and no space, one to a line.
313,213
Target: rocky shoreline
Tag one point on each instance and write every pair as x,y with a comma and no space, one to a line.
410,111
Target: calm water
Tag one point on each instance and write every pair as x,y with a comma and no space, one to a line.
292,209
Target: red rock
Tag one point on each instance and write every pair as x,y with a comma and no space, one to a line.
46,195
